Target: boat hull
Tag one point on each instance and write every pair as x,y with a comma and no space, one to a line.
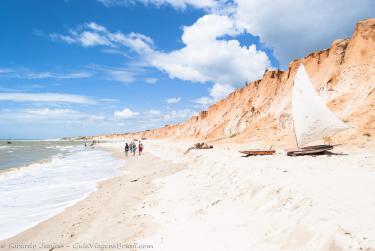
257,152
309,150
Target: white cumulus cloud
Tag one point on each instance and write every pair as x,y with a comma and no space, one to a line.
173,100
295,28
125,114
219,91
291,28
207,57
204,101
211,54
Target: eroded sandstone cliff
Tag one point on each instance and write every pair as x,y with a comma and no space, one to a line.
344,75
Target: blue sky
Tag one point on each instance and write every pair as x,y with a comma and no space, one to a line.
101,66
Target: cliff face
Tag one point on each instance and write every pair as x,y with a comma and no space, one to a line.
344,75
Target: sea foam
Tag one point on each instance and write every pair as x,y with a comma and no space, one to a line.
34,193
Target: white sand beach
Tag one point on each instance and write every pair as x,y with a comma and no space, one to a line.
199,83
217,200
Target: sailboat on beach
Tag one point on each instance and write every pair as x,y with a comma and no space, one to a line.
312,119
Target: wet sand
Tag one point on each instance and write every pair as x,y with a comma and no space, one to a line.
107,218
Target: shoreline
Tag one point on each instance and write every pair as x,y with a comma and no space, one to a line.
72,226
34,193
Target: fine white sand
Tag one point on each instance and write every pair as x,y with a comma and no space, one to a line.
217,200
222,201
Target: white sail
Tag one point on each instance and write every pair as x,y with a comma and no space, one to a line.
311,117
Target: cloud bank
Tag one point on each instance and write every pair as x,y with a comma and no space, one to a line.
295,28
45,98
211,52
291,28
205,58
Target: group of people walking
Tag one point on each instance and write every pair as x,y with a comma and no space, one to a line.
132,147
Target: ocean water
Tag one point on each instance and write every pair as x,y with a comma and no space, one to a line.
40,179
24,152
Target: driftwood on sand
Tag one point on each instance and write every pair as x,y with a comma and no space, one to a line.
199,146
